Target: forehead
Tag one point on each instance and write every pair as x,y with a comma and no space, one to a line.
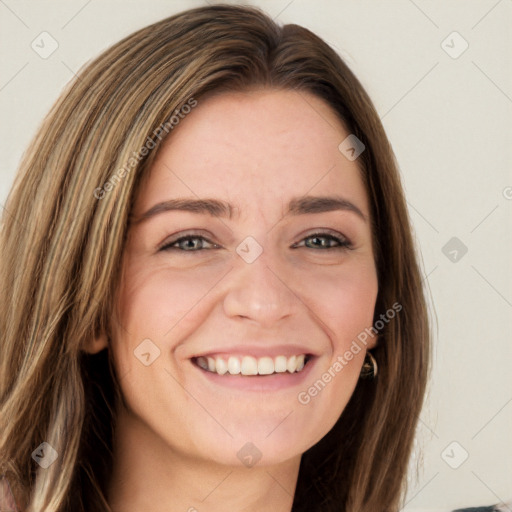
255,149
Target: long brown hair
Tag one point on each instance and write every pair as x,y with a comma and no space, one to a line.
62,237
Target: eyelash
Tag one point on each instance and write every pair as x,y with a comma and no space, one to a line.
343,244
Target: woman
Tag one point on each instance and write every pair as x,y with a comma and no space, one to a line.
211,297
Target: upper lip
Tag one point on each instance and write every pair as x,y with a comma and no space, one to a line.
257,351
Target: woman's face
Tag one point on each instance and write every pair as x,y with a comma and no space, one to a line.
269,273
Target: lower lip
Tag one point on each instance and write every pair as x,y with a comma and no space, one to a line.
261,383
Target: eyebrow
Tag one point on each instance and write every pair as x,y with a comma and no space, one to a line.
216,208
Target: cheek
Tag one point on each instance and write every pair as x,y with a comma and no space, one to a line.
161,305
156,308
344,302
343,299
154,302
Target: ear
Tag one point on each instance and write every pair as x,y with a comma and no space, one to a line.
372,342
95,345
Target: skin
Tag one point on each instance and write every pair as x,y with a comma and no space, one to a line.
177,433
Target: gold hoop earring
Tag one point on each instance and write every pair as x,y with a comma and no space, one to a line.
370,367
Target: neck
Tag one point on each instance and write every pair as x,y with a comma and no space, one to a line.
148,474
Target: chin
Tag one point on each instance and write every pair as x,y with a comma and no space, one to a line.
268,440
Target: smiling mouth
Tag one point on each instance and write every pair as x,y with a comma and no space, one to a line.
249,365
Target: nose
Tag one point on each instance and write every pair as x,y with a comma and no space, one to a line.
260,291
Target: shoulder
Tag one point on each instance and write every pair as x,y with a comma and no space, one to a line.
476,509
7,502
502,507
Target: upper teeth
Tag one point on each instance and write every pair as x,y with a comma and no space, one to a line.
248,365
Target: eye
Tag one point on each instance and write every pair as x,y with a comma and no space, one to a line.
326,241
188,243
196,243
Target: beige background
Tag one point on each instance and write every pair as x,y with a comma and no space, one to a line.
449,120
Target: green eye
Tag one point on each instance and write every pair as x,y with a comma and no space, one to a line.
196,243
189,243
324,241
